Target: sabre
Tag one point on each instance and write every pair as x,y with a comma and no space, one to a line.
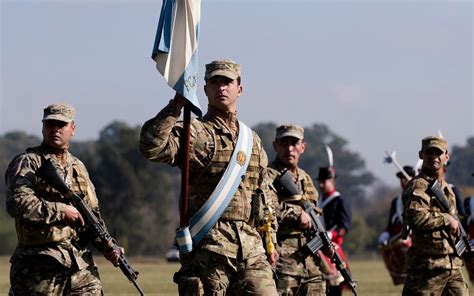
390,158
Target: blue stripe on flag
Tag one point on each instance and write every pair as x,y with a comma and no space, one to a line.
163,32
176,46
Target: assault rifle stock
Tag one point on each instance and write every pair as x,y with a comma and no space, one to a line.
319,239
462,244
49,174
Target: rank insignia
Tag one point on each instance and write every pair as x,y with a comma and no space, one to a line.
241,157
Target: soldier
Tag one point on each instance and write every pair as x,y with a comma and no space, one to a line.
298,274
48,258
433,268
231,256
391,245
395,219
337,220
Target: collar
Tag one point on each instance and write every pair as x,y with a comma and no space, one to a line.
330,193
225,118
280,166
430,178
52,150
61,155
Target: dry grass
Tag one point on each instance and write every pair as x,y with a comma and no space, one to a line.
156,277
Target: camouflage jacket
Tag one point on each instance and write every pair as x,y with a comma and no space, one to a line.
290,237
211,145
38,209
432,240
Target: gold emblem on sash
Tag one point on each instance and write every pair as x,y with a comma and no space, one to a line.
241,157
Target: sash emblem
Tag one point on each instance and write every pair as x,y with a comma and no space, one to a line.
241,157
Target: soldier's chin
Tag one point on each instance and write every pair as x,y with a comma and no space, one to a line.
57,144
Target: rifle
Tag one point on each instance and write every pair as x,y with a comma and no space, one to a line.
462,244
49,174
321,240
319,237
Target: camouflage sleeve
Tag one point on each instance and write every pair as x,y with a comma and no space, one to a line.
21,201
159,136
289,213
418,213
285,212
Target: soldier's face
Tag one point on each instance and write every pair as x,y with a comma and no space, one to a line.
403,182
289,150
222,92
58,133
327,186
434,159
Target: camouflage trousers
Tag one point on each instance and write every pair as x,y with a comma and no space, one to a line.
289,285
435,282
221,275
44,275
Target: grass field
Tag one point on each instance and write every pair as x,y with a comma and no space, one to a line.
156,278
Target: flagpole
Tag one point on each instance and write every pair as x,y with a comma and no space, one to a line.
175,53
185,137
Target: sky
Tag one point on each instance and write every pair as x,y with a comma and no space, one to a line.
380,74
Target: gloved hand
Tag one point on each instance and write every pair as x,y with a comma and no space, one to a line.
383,238
329,233
113,254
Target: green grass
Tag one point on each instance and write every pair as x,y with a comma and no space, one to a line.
156,277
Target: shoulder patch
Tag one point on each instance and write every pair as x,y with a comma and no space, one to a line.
23,164
272,173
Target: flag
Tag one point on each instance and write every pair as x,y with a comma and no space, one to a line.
176,47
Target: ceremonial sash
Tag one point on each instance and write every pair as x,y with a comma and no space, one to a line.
207,216
324,202
398,210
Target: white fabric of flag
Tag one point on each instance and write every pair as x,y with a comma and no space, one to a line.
176,47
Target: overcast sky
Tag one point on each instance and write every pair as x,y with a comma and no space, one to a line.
381,74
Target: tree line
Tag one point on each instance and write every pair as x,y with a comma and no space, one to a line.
139,199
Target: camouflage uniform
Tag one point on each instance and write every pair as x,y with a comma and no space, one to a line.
232,252
433,268
298,274
46,261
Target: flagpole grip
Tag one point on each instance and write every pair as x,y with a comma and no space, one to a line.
185,139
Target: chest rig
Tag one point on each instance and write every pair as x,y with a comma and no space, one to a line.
203,182
77,179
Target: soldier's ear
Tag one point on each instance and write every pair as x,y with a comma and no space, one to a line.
303,146
73,127
274,144
420,154
241,89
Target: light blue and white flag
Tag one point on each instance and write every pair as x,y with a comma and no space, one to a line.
176,47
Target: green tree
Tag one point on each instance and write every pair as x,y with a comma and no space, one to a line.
360,235
135,195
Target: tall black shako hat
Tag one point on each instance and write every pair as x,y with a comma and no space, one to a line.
408,169
329,172
326,173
